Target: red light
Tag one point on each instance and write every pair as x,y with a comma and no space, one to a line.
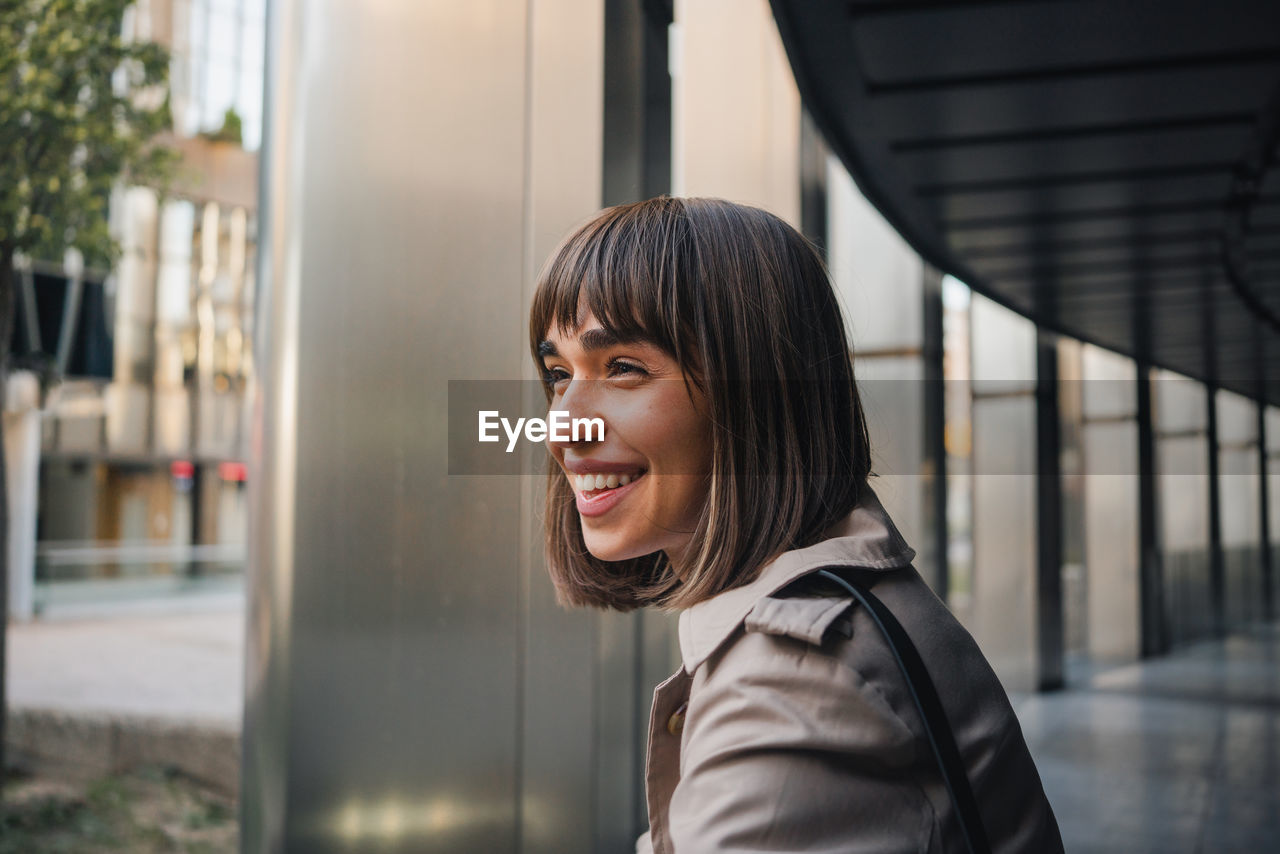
238,472
182,469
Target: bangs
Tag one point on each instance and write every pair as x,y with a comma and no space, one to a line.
622,267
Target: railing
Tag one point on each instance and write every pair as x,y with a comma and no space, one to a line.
96,572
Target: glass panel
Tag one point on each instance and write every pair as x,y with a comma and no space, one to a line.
1111,537
892,392
1004,545
224,36
878,277
1110,381
1237,419
1239,486
1004,348
1071,423
173,303
1178,402
249,105
1182,486
220,89
957,437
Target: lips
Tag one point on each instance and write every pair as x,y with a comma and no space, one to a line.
599,500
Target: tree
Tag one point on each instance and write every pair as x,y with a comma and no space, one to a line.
80,108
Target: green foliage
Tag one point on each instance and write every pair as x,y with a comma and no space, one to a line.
79,108
230,130
150,810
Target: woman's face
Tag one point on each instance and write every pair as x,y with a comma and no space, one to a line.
641,487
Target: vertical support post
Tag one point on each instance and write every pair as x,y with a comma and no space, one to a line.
349,458
813,183
21,475
198,476
637,105
70,319
1217,569
1264,511
1049,635
30,312
1155,635
934,463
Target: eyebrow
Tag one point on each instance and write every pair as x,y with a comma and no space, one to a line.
591,340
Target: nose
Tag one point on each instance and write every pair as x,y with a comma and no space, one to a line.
579,400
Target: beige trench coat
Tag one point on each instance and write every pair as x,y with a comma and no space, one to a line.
789,726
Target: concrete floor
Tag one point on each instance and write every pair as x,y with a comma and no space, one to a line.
177,660
1180,754
99,686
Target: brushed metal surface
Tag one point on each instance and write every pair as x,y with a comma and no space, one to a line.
565,117
411,685
735,107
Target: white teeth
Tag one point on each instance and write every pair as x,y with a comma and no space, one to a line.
592,482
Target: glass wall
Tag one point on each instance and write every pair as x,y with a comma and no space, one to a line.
143,476
958,439
879,281
1110,450
1005,490
1238,488
218,55
1075,589
1180,423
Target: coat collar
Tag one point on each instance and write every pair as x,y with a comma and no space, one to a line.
865,538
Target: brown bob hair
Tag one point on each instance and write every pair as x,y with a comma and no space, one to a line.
744,304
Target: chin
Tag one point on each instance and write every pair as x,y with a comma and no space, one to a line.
606,549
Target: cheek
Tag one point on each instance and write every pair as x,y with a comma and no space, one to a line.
688,497
638,426
688,444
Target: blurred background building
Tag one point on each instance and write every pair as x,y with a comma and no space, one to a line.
143,442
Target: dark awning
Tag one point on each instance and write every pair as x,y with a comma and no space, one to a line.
1107,168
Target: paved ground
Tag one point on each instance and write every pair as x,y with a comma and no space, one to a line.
135,659
98,687
1181,754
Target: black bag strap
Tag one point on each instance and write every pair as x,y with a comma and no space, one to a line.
925,696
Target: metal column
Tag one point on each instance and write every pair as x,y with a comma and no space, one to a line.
934,462
411,684
1217,568
1050,627
1155,629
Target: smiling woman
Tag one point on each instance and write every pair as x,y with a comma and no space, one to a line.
667,317
731,483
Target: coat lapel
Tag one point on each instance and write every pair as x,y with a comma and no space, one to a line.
866,538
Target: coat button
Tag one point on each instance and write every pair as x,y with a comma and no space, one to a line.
675,723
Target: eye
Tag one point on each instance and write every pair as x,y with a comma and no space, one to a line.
552,376
617,367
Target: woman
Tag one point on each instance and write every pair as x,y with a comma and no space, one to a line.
731,484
